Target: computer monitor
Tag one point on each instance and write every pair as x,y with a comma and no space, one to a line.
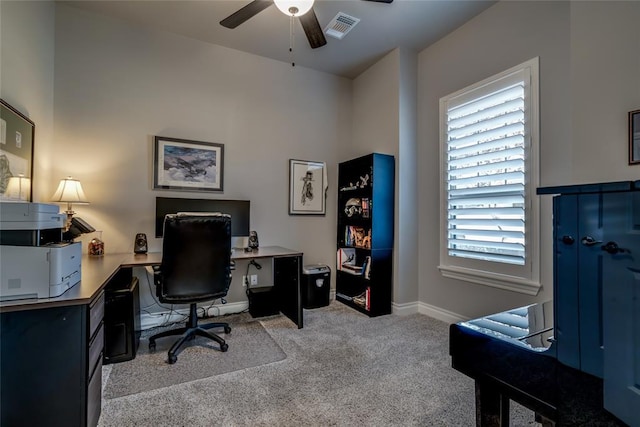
238,209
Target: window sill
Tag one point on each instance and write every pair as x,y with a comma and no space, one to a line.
494,280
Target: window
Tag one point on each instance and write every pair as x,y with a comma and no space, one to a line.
489,146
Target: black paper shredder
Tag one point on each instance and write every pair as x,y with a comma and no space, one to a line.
316,285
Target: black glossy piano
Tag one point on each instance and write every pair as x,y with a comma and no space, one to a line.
574,361
512,356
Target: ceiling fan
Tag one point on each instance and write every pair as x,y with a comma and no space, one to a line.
302,9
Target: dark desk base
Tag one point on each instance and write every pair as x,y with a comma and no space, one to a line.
51,350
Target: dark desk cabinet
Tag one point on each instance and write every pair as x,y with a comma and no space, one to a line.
121,318
52,349
51,364
286,282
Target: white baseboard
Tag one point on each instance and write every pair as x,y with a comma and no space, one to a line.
151,320
407,308
440,313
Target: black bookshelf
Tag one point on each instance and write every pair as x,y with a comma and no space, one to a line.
364,267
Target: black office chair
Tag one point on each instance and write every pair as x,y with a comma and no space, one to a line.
196,266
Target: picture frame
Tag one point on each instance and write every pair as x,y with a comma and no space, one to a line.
182,164
634,137
307,185
17,135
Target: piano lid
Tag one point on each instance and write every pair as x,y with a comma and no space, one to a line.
530,326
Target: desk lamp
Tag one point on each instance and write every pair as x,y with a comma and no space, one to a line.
69,191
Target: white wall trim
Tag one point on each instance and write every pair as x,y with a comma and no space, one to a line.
494,280
151,320
440,313
404,309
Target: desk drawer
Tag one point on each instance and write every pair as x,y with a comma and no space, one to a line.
96,313
94,396
95,348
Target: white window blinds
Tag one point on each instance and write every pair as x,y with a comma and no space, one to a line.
485,156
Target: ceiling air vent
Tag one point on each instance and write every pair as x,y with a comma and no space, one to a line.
340,25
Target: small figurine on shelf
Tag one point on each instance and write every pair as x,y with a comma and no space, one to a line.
360,236
366,241
364,208
352,207
364,181
96,245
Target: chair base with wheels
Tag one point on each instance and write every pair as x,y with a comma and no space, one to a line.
189,332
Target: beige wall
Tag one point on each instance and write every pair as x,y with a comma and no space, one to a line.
605,86
118,86
503,36
384,121
408,220
26,76
589,66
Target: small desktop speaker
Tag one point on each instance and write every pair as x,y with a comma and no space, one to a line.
140,244
253,240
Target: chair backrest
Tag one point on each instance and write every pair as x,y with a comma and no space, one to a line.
196,258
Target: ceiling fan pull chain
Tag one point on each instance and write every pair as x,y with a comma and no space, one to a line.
291,30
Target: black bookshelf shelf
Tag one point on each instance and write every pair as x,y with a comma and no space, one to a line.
365,233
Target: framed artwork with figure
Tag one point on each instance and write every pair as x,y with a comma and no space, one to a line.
307,185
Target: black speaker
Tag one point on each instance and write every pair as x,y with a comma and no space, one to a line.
140,244
253,240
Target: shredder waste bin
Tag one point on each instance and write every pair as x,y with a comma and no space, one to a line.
316,285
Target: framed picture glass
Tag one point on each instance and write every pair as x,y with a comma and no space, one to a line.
307,183
634,137
180,164
16,154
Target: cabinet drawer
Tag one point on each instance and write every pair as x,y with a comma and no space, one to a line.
96,313
94,396
95,348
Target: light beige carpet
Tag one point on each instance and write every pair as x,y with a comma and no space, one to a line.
249,346
342,369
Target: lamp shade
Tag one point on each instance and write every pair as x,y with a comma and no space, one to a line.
294,7
69,191
18,188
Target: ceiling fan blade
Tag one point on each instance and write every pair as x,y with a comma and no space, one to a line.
247,12
381,1
312,29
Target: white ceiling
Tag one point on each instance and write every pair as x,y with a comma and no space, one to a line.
411,24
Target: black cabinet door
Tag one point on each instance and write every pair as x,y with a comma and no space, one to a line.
286,279
621,306
43,367
578,224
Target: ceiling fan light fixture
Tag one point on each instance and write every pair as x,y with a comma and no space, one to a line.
294,7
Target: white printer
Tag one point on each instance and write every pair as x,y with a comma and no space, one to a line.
33,261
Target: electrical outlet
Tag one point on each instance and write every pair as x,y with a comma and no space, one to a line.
254,280
245,282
